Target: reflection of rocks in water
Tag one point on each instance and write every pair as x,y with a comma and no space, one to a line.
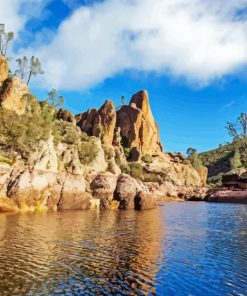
107,252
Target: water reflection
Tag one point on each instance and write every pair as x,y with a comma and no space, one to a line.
80,253
177,249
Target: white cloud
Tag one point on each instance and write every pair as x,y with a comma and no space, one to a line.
15,13
199,40
9,15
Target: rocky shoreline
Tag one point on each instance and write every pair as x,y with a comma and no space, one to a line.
233,190
106,158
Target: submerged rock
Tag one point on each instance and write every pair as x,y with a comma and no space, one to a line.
126,191
103,187
145,201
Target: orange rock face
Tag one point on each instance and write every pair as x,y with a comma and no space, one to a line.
203,173
99,123
138,127
108,121
4,69
11,95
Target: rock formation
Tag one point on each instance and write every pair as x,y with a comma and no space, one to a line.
139,131
4,69
134,123
99,123
11,95
82,162
233,190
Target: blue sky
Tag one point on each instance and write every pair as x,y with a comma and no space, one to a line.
196,82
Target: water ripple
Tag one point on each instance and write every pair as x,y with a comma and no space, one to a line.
177,249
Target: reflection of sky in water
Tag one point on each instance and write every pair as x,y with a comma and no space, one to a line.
177,249
204,250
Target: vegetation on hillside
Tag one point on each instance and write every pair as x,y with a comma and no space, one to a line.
22,134
226,157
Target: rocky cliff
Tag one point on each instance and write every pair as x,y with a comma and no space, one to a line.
138,130
101,158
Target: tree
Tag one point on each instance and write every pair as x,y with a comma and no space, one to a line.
27,68
5,38
123,103
22,67
238,131
123,100
34,69
194,158
53,100
191,151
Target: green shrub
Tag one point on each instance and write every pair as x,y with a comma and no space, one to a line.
66,132
195,161
236,160
136,171
147,158
126,152
125,168
22,133
87,151
109,152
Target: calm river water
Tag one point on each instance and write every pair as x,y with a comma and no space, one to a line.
178,249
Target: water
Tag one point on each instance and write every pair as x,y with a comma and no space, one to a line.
177,249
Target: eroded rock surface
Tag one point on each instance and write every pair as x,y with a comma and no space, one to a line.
126,191
11,95
4,69
138,127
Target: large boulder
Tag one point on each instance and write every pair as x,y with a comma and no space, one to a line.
138,127
145,201
233,190
73,194
126,191
227,196
30,188
103,187
45,158
99,123
232,177
86,120
12,95
65,115
4,69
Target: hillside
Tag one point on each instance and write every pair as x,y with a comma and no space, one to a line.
218,161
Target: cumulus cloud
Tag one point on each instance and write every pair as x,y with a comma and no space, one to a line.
15,13
198,40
